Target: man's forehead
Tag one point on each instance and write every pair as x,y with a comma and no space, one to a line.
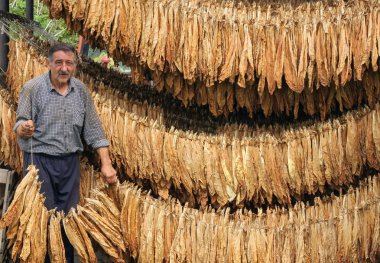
63,55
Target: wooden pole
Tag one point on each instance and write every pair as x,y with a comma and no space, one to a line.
29,9
4,40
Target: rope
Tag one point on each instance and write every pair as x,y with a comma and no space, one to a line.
31,151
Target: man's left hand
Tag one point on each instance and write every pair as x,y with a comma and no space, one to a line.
109,173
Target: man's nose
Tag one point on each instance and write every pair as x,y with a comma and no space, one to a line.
64,67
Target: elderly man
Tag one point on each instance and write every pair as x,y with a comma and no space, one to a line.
55,111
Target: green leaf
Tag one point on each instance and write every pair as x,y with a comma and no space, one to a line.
56,28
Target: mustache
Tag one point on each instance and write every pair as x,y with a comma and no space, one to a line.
63,72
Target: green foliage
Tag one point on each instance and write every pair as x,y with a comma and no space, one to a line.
56,28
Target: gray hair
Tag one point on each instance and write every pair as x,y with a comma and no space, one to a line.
62,47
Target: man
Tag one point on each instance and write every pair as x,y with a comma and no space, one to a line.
55,110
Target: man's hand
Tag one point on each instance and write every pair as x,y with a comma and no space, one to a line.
26,129
109,173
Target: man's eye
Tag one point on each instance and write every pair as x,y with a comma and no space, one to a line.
69,63
58,62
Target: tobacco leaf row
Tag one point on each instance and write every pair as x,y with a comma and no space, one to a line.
127,222
257,56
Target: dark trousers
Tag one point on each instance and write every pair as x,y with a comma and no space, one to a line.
60,177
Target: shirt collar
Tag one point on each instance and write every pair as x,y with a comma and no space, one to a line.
51,86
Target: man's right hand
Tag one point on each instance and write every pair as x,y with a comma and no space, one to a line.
26,129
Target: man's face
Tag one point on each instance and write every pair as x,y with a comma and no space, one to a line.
62,67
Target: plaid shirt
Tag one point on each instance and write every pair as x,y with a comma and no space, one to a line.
60,120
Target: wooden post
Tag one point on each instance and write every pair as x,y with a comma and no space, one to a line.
4,40
29,9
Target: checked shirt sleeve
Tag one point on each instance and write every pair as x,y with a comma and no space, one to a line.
25,106
93,132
